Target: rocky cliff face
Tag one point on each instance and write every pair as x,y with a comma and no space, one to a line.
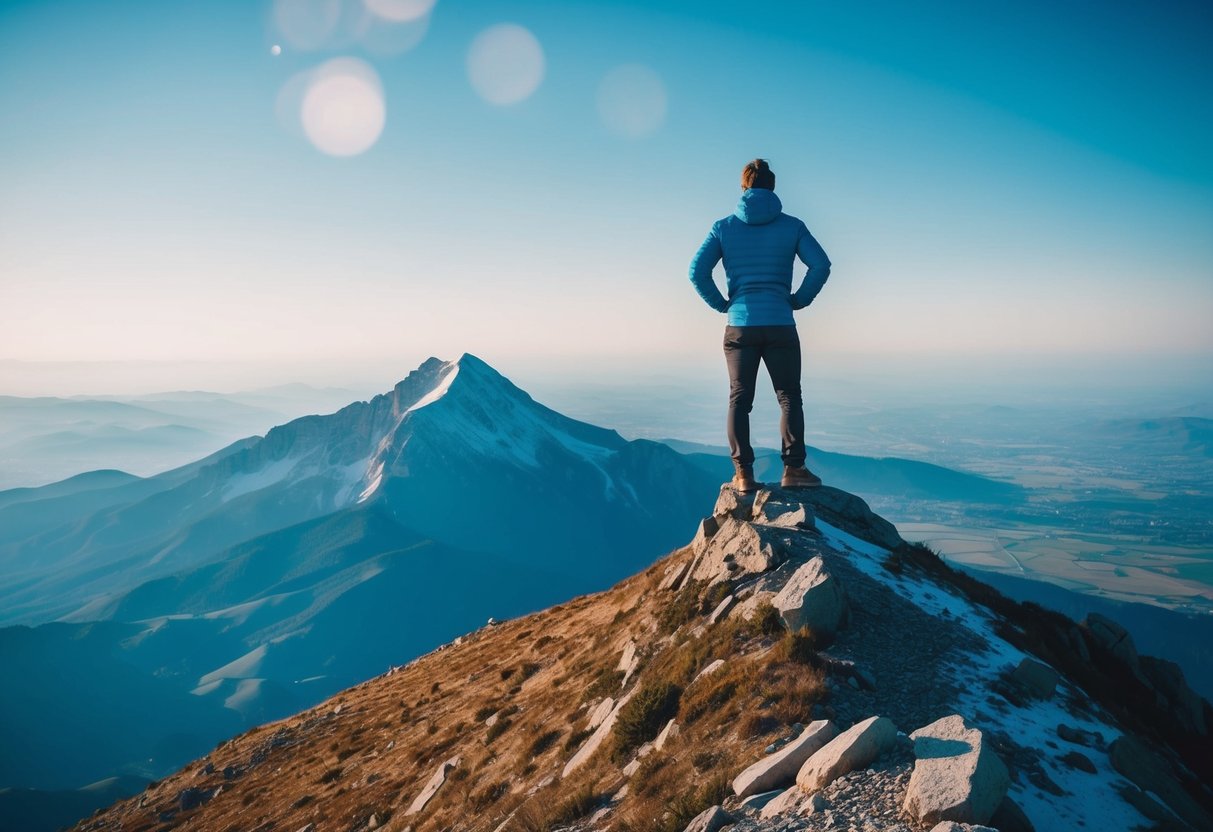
795,666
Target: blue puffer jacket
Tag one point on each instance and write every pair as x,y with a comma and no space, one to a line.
758,244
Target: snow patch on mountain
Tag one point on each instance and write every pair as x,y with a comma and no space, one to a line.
1092,801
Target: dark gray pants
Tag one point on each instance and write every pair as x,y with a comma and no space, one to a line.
779,348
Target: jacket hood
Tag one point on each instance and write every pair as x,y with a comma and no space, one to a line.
758,206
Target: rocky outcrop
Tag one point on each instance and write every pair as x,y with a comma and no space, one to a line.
1150,772
1037,680
851,514
812,598
957,776
1167,681
776,508
854,748
780,769
738,547
433,785
1113,638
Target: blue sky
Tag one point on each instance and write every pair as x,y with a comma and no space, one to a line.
1027,180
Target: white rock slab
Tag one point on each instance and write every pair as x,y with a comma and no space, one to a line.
596,739
779,769
854,748
600,713
433,785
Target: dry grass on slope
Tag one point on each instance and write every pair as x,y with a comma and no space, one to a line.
370,750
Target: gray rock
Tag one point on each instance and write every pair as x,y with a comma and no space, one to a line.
773,509
628,662
667,733
709,820
1151,773
779,769
786,802
1037,679
953,826
851,514
1079,761
757,802
600,713
193,798
597,738
722,609
815,804
732,503
956,776
709,669
1114,638
812,597
433,785
1078,736
738,548
855,748
674,573
1167,679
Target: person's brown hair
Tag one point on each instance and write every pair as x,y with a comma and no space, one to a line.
757,174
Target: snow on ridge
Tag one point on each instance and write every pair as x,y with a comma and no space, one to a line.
450,370
1092,801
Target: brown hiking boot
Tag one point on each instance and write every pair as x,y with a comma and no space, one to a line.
799,477
743,479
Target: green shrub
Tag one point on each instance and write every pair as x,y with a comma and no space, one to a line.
644,715
543,742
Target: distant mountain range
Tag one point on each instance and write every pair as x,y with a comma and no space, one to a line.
46,438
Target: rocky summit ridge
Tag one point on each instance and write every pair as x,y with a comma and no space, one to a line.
796,666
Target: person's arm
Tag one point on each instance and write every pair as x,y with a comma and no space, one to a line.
812,255
705,260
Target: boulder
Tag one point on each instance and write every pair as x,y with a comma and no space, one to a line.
732,503
773,509
1036,679
854,748
1167,679
722,609
953,826
738,548
957,776
1113,638
433,785
1078,736
812,597
852,515
709,669
779,769
1151,773
787,802
709,820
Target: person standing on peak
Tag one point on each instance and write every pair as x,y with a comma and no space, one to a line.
759,244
